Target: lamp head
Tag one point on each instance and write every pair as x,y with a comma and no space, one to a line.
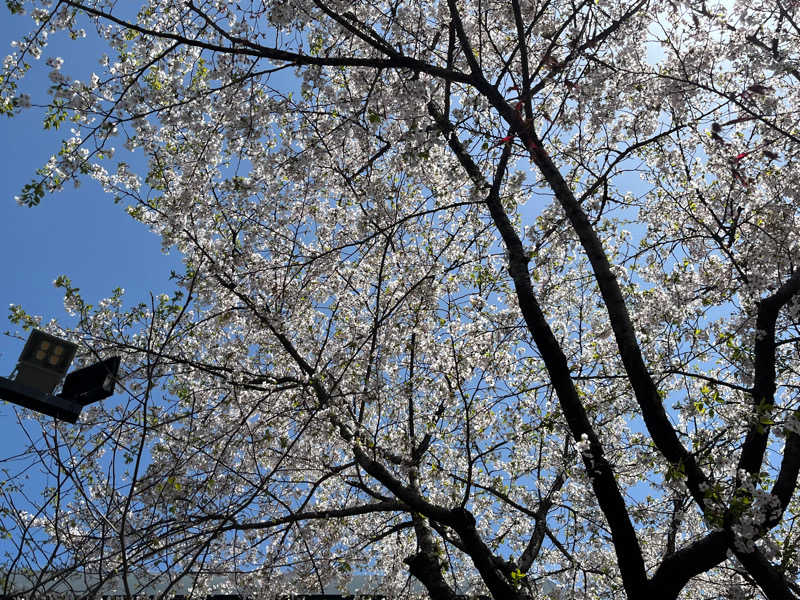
44,361
91,383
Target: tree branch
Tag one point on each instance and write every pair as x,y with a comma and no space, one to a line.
258,51
601,473
763,392
678,568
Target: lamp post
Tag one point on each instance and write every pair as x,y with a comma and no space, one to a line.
42,365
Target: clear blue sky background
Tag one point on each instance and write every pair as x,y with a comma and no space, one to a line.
80,232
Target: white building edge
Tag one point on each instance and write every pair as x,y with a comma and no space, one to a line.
81,585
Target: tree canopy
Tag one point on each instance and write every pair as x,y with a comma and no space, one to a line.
499,297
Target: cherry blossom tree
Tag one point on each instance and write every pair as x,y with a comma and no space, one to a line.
500,298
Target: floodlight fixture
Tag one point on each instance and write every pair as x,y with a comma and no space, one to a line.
92,383
42,365
44,361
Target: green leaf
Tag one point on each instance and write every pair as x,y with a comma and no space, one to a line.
15,6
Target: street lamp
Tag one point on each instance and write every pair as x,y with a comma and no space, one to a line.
42,365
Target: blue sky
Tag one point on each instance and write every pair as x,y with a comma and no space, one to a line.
80,232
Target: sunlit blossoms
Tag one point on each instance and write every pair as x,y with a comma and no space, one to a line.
489,298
